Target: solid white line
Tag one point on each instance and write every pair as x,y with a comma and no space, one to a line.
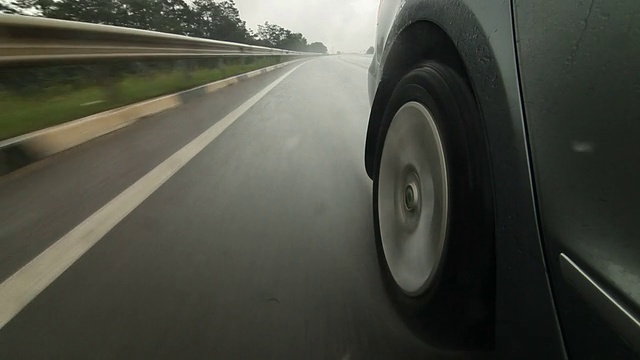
23,286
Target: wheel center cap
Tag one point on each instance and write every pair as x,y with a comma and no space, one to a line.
411,197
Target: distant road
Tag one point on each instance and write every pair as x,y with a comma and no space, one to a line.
255,242
362,61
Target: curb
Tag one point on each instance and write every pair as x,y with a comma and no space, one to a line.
23,150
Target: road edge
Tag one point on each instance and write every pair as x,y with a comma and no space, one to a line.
23,150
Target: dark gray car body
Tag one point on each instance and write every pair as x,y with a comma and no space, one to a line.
558,86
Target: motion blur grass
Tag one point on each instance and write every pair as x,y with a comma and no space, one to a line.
21,114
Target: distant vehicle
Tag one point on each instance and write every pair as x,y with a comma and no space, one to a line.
504,147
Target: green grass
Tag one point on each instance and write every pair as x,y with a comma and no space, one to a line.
59,104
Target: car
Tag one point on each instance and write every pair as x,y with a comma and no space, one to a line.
504,153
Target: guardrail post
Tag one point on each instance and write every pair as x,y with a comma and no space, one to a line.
106,79
185,67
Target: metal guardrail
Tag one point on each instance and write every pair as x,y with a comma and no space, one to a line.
26,39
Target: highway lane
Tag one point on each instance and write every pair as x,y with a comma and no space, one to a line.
259,247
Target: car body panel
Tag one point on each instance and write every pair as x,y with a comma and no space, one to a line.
482,31
581,88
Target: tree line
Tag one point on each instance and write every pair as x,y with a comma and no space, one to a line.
218,20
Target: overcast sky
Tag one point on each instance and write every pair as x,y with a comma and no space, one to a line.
342,25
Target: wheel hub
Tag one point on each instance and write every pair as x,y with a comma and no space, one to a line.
411,197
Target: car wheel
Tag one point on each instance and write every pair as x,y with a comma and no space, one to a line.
433,212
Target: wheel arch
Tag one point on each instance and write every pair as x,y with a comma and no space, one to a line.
471,37
419,41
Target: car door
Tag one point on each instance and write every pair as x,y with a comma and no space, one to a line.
579,64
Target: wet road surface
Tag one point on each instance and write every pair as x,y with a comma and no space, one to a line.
259,247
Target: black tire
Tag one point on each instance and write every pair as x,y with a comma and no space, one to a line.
457,311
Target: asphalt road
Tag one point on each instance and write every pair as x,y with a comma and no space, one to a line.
260,247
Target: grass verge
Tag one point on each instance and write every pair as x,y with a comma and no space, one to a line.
21,114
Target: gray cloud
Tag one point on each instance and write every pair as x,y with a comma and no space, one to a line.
342,25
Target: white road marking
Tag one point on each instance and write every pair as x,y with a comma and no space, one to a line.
23,286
